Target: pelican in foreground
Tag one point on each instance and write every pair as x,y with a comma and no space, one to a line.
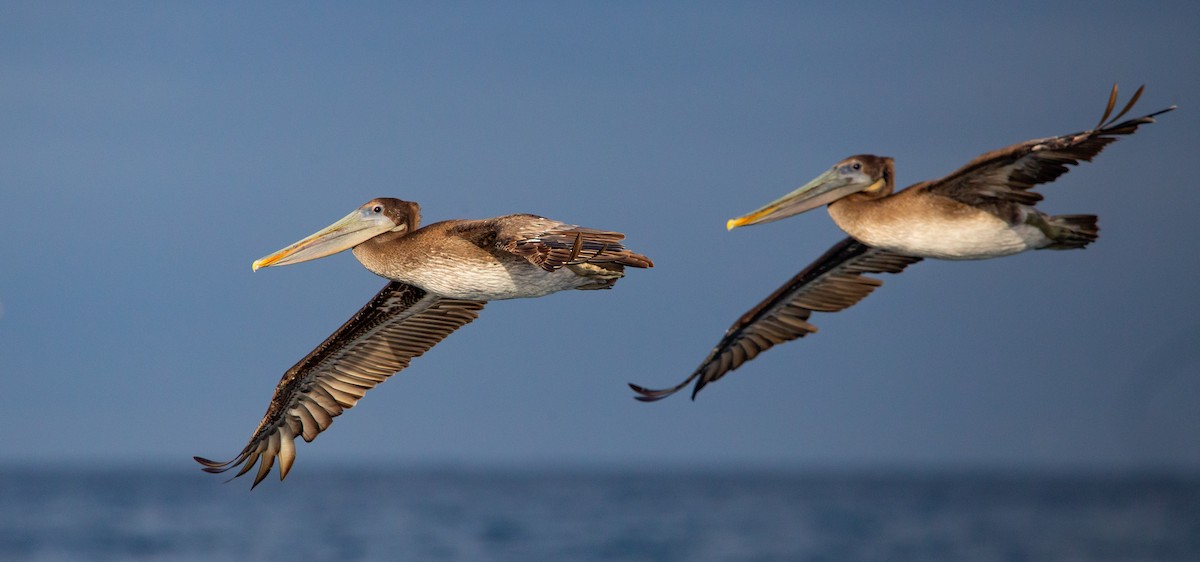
983,210
440,278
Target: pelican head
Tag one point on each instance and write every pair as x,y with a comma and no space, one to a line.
864,173
378,216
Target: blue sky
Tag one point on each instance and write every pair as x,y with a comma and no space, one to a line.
151,152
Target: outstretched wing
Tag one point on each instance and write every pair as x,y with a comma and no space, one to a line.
550,244
834,282
1007,175
398,324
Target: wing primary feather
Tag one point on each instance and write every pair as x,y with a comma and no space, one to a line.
1129,105
1112,102
247,464
287,451
268,459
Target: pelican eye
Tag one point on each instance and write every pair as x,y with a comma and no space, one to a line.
857,166
377,209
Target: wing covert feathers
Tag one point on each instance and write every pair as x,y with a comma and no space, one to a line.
401,322
833,282
550,244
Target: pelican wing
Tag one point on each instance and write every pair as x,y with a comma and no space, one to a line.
833,282
550,244
1007,175
398,324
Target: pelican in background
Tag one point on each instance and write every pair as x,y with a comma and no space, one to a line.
983,210
440,278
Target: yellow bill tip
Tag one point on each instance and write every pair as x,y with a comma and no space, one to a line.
748,219
265,262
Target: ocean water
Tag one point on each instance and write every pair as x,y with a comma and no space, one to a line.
568,514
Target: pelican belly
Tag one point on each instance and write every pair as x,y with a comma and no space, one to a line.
495,279
972,236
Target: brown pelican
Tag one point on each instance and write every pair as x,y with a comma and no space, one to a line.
983,210
441,277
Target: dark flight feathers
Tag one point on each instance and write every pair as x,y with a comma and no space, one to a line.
401,322
1006,175
833,282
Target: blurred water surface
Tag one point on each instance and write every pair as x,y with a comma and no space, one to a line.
575,514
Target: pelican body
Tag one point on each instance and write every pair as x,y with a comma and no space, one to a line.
455,259
928,219
440,277
918,222
985,209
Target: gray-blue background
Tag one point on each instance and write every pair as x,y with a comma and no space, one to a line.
149,152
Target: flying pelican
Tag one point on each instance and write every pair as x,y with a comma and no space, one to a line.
983,210
441,277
